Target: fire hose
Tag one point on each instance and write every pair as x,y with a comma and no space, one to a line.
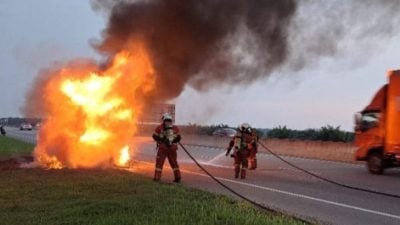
315,175
223,185
326,179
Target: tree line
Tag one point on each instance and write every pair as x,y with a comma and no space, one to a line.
16,121
325,133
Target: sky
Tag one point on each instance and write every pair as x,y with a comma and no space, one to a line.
37,33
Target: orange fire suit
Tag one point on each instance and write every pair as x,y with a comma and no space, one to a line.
167,139
242,143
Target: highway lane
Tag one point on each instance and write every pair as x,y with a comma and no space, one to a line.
23,135
277,185
281,187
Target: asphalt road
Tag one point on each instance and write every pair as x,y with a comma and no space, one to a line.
23,135
277,185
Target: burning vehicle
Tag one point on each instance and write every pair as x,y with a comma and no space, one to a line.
99,112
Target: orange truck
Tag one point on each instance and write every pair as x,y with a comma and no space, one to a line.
377,128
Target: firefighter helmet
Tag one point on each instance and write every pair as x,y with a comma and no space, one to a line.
245,127
166,117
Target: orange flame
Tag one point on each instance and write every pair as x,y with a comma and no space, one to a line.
92,113
124,156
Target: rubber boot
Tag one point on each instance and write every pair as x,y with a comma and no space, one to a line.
177,175
237,171
243,173
253,164
157,175
252,167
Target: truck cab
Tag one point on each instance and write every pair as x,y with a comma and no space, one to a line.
377,128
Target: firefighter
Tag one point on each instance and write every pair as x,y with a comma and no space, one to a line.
253,152
242,143
3,132
167,136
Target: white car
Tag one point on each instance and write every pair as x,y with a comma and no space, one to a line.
25,126
225,132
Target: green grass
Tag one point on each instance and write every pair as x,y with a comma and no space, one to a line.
35,196
10,147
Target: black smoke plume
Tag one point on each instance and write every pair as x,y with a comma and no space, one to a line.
202,43
210,43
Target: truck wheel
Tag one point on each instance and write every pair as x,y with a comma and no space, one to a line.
375,163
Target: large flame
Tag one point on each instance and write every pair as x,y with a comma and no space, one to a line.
92,113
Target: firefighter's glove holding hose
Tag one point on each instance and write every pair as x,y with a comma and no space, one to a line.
228,150
177,139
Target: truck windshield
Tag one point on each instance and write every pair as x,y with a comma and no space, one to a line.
370,120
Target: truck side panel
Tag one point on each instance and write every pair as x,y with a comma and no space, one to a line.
392,140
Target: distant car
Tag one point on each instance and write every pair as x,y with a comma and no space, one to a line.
25,126
225,132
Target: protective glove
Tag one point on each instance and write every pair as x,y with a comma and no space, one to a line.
177,139
227,152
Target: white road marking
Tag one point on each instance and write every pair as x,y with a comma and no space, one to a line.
300,196
294,194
